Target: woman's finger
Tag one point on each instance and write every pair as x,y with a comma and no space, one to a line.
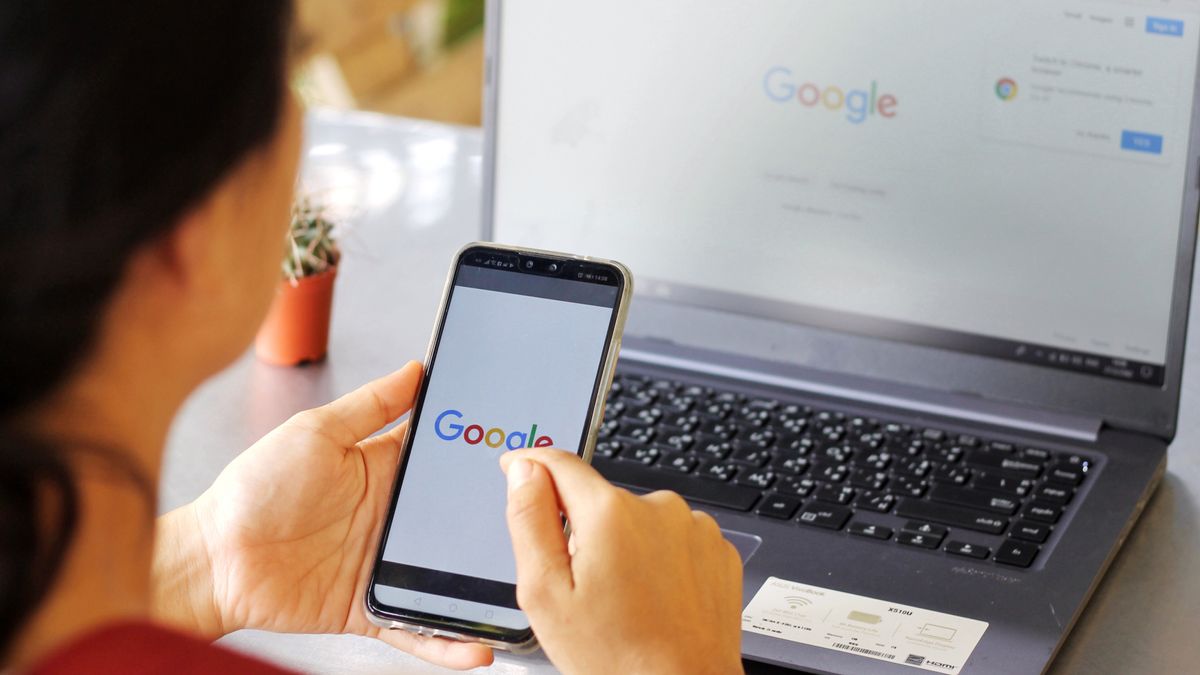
440,651
369,408
535,524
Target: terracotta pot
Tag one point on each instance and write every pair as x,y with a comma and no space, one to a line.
296,329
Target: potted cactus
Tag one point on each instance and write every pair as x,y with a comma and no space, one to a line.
296,330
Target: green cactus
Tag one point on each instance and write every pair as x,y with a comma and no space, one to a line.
311,242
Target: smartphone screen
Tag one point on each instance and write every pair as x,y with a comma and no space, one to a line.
518,361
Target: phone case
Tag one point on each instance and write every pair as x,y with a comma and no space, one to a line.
608,369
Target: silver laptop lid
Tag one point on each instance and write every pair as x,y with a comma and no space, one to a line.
995,197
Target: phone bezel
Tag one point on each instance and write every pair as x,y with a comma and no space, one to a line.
516,640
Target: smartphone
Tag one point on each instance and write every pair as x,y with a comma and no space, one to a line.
523,356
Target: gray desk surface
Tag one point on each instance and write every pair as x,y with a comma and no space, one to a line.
412,192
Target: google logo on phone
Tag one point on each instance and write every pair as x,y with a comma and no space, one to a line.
1006,89
859,104
495,437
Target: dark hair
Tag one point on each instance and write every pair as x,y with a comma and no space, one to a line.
115,117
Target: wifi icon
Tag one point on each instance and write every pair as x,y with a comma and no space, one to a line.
796,601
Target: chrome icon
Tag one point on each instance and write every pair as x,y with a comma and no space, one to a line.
1006,89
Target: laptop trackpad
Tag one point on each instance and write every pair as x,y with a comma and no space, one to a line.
746,544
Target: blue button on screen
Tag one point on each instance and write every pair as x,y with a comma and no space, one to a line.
1141,142
1161,26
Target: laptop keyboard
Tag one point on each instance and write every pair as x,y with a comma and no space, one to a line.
965,495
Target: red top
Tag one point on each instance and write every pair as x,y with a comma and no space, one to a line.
147,649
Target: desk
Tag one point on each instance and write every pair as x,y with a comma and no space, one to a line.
413,191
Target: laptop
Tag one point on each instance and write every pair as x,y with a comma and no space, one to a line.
912,290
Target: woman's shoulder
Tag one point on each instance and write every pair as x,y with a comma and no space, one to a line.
143,648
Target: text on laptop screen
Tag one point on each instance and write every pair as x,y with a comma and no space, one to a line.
1006,176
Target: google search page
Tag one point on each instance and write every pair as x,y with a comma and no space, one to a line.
511,371
1004,168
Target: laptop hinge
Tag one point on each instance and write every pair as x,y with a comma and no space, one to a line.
966,407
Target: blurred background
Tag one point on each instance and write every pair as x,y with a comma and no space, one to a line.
416,58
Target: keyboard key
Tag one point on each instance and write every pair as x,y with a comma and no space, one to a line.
761,479
991,459
875,501
725,430
664,385
778,506
609,429
955,475
792,465
1030,531
754,457
678,441
838,494
609,449
831,473
968,441
754,418
1054,494
1065,475
1072,460
868,479
1044,513
950,455
919,540
930,529
908,487
877,461
916,467
1036,454
1016,553
869,530
952,516
686,423
793,485
836,454
1006,484
716,411
987,501
1001,447
763,438
968,550
649,415
763,404
820,514
678,462
803,446
643,396
935,435
709,492
637,434
718,470
640,454
714,451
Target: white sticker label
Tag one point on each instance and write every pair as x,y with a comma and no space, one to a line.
855,624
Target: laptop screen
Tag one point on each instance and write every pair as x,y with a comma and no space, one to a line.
999,177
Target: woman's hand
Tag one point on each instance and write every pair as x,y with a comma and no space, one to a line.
646,585
285,538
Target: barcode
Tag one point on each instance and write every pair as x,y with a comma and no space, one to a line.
860,650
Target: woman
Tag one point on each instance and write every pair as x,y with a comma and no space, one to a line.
149,151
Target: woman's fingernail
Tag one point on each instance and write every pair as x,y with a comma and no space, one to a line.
518,473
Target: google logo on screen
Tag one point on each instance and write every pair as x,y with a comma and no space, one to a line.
494,437
859,104
1006,89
